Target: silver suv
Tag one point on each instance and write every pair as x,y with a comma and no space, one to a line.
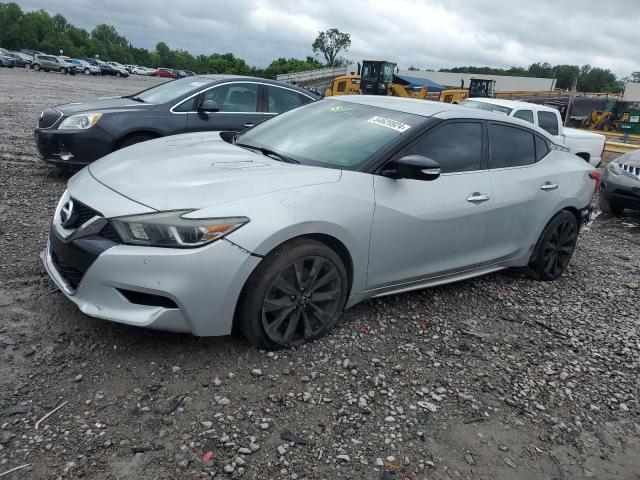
51,63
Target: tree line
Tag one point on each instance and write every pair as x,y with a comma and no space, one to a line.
38,30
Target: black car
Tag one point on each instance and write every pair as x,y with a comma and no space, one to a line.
22,59
7,61
76,134
106,69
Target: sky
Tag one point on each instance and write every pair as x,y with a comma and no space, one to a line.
427,34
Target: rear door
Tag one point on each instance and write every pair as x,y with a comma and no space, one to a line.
525,190
423,229
239,108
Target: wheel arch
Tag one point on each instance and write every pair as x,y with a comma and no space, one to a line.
118,143
584,155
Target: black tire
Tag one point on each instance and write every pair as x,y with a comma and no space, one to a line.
554,248
36,67
609,207
87,71
27,66
118,74
277,308
64,70
133,139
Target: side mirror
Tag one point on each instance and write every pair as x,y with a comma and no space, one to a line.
208,106
415,167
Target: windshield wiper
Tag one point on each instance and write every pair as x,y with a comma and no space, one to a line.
137,99
268,153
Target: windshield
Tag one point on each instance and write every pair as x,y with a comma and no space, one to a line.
172,90
490,107
331,133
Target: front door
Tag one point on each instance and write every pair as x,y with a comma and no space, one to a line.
424,229
239,108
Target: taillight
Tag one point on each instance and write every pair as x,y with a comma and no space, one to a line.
597,176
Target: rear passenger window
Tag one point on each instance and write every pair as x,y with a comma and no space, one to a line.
548,121
457,147
281,100
510,147
542,148
526,115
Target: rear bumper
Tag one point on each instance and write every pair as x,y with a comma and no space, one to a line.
72,147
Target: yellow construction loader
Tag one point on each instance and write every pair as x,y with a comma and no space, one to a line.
378,78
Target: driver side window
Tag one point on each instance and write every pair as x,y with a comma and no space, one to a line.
235,97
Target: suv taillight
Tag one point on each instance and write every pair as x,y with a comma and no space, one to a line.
597,176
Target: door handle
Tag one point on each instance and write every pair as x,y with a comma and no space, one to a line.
248,125
477,197
549,186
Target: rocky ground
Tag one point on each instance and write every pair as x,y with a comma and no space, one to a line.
497,377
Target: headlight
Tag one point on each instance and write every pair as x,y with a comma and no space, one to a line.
82,121
615,168
171,229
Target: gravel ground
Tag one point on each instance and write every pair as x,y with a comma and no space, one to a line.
497,377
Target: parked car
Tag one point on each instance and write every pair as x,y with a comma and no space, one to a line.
78,133
118,66
82,66
106,69
165,73
203,231
7,61
181,73
21,59
52,63
620,187
587,145
139,70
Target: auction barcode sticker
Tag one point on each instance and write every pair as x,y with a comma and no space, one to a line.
392,124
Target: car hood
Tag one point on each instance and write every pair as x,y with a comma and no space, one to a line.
632,159
104,104
197,170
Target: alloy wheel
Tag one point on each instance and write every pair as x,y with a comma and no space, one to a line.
559,248
302,301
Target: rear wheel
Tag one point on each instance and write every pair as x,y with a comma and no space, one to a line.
554,248
295,295
27,66
118,74
609,207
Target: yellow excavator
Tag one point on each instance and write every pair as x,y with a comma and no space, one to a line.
377,77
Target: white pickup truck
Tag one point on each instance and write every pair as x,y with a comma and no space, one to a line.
584,144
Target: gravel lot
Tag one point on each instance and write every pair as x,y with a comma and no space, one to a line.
497,377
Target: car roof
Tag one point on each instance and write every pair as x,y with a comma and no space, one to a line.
441,110
514,104
213,77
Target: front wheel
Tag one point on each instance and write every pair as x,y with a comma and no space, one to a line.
36,67
118,74
294,296
87,71
27,66
554,248
609,207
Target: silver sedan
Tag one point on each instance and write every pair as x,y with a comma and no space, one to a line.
280,228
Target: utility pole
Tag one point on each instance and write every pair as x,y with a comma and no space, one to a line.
573,94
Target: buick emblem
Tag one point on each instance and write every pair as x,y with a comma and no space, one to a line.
68,217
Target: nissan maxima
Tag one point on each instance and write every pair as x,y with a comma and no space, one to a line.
276,230
76,134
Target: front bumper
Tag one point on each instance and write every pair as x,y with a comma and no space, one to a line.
623,190
190,290
72,147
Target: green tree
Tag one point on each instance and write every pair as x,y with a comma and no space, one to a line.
330,43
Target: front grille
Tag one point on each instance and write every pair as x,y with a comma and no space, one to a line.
109,233
49,117
72,276
84,213
633,170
